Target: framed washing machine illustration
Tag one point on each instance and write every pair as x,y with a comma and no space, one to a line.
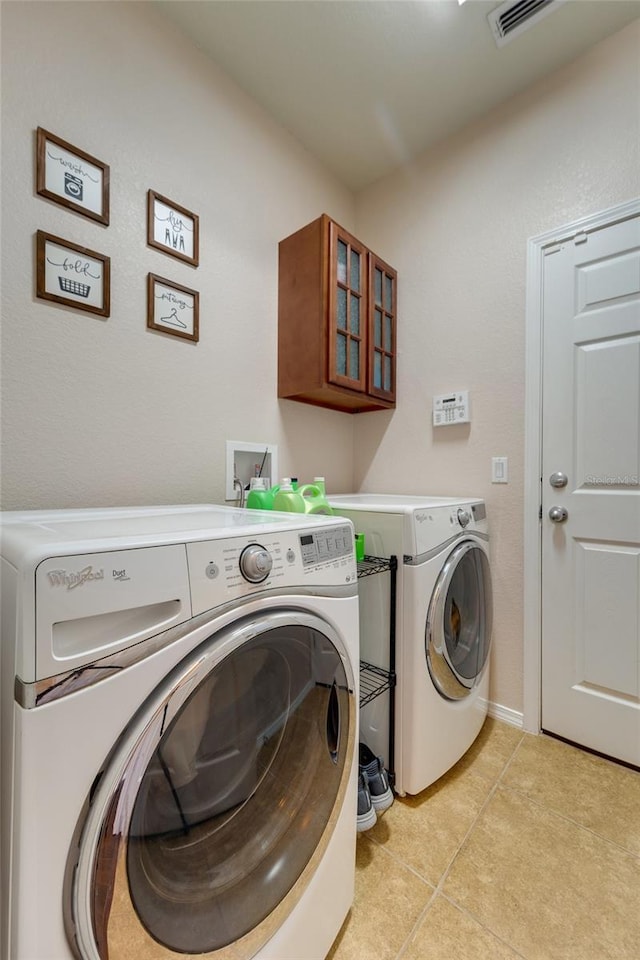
191,774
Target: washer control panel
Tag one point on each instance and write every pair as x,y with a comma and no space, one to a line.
220,570
324,546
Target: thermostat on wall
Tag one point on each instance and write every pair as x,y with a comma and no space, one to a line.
450,408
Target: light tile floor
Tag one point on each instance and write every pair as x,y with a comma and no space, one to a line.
527,848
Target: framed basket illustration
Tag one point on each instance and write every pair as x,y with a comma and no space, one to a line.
172,308
74,276
71,177
172,228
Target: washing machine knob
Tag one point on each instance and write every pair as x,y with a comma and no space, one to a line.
255,563
464,517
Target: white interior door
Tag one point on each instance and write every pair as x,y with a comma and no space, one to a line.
591,525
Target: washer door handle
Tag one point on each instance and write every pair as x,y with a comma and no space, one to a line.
333,723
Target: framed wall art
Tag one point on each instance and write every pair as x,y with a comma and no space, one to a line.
71,177
74,276
172,228
172,308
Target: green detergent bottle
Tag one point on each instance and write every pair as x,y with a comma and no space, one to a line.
288,499
259,498
314,497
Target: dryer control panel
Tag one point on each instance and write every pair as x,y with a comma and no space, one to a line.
221,570
435,526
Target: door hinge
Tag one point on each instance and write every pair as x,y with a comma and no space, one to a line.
540,513
556,248
580,237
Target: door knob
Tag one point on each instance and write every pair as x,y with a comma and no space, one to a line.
558,479
558,514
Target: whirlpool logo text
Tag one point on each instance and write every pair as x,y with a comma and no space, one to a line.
73,579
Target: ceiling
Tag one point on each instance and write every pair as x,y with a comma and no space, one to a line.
367,85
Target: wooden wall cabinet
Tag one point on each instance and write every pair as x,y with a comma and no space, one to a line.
336,321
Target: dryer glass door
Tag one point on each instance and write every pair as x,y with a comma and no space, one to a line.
459,621
220,796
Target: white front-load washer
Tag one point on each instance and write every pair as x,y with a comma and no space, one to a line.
443,628
179,730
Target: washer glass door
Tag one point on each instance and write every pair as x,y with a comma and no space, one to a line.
459,621
224,792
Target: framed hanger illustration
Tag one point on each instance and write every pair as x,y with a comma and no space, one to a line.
172,308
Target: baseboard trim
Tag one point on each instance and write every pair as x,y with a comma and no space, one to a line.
506,714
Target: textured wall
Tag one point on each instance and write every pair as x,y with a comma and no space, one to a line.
456,225
99,411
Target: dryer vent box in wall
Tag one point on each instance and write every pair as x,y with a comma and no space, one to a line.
245,460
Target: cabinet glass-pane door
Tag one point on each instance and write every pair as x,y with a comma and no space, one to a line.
347,310
382,325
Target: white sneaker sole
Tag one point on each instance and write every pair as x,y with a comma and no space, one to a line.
367,820
383,802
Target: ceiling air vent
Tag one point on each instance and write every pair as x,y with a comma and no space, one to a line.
511,19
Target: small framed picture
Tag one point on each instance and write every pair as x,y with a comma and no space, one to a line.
71,177
172,308
72,275
172,229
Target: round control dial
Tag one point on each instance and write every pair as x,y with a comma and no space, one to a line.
464,517
255,563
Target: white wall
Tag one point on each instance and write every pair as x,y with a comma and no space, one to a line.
99,411
455,225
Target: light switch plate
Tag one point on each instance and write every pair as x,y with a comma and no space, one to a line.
499,470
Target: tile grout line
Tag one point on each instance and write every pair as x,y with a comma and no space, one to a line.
471,916
438,889
480,812
499,783
419,877
574,823
402,863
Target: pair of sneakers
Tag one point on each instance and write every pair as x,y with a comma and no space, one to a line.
374,791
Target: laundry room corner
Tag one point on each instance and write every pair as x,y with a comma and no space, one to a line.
462,256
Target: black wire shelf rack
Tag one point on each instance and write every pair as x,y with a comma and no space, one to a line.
376,680
371,565
373,681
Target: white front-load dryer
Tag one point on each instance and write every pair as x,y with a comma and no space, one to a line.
443,628
179,696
